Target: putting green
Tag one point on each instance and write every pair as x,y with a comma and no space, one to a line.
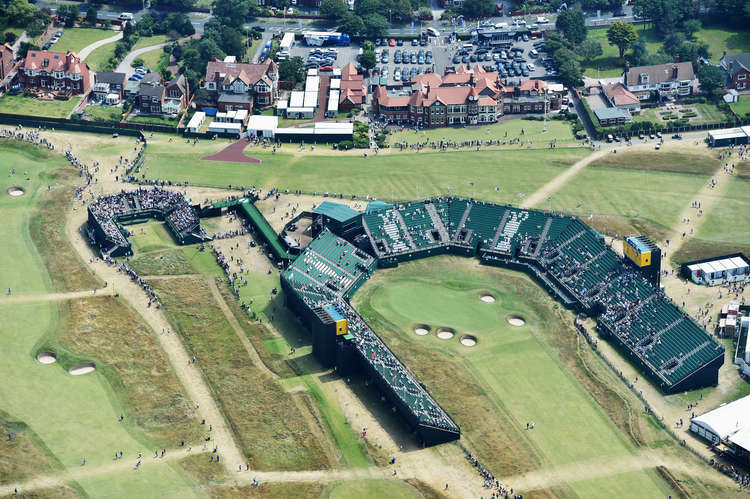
515,365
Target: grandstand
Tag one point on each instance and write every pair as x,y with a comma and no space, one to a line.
568,258
108,214
573,262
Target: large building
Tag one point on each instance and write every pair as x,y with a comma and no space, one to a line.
6,60
352,92
465,97
234,86
675,79
170,98
64,74
727,426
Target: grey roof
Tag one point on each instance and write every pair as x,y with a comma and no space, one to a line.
235,98
179,82
611,113
739,61
660,73
110,77
151,90
151,78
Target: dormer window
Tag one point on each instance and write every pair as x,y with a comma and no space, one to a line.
643,78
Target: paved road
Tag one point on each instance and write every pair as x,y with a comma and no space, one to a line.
126,65
86,51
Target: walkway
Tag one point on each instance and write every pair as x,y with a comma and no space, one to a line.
56,296
126,65
553,185
86,51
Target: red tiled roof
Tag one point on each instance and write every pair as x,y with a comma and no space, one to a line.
249,74
620,95
68,62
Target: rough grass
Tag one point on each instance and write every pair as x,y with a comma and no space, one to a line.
665,161
270,428
201,469
47,229
25,455
134,365
696,249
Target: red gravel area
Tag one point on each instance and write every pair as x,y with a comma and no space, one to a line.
233,154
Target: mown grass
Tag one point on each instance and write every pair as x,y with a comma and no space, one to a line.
104,114
271,490
402,176
31,106
269,427
25,455
75,39
498,384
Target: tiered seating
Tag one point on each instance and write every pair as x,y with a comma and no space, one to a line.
451,212
384,224
483,219
418,223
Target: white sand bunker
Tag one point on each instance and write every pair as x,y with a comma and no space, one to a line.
487,298
422,329
85,368
16,191
468,340
445,333
46,358
515,320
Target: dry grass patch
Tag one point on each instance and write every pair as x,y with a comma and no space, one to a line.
269,426
696,249
106,331
47,228
201,469
697,162
25,455
169,262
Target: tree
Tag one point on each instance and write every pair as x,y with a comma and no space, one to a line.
589,50
691,27
21,12
293,69
24,47
477,8
572,24
232,13
333,9
666,15
621,35
711,78
146,25
375,26
91,15
68,14
368,59
570,72
640,52
402,10
352,25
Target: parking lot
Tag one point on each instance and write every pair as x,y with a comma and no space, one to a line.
512,58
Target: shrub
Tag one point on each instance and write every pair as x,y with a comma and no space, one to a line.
345,145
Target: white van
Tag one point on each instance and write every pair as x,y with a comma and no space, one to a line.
432,31
126,16
534,53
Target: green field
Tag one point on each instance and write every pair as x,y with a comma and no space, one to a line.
726,223
533,131
152,120
75,39
650,194
31,106
98,59
742,106
403,176
516,368
104,113
77,417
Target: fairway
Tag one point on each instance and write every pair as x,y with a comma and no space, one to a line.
514,365
74,416
394,175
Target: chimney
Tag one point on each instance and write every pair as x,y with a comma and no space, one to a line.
675,70
677,59
627,67
731,66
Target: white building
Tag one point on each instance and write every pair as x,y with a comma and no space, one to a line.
262,126
727,420
196,122
719,271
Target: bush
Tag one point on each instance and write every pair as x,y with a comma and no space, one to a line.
345,145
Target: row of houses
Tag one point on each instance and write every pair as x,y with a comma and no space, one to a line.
468,96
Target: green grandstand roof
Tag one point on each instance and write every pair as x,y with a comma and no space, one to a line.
377,205
336,211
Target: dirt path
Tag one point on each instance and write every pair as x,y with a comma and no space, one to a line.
708,197
109,291
238,330
553,185
82,472
189,375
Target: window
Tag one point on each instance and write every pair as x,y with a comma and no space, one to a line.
741,86
643,78
742,76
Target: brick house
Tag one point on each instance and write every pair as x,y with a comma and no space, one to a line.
234,86
667,80
54,71
107,83
6,60
737,68
529,97
163,99
353,90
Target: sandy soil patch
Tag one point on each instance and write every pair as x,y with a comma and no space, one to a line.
468,340
16,191
422,329
46,358
486,298
445,333
515,320
85,368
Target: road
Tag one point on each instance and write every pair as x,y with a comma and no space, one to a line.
126,66
84,53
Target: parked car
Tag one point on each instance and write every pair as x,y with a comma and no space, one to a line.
414,42
677,136
391,42
326,68
400,42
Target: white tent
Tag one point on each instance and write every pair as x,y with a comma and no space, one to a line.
262,126
727,419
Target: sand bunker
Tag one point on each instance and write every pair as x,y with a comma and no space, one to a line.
515,320
468,340
16,191
422,329
46,358
445,333
85,368
487,298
